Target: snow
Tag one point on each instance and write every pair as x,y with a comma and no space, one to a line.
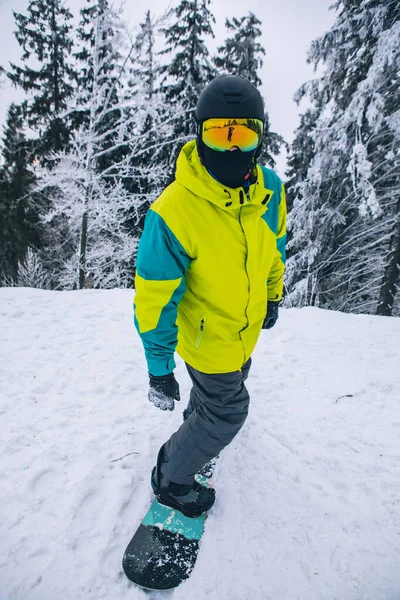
308,493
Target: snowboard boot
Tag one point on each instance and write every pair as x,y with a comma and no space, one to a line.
191,499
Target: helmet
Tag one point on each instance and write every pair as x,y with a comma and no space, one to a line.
230,96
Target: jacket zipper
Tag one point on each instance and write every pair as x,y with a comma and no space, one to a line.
200,335
245,266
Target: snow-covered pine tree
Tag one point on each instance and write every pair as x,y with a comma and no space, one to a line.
144,71
242,54
301,154
90,185
345,218
189,69
90,247
31,272
107,74
46,74
18,213
85,35
8,259
154,119
151,123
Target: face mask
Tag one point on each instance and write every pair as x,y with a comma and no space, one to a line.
231,168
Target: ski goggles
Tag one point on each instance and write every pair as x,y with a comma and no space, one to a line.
222,134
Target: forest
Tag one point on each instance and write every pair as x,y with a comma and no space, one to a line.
107,110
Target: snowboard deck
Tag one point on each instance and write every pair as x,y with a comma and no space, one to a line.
164,549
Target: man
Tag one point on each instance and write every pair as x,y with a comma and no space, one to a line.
209,277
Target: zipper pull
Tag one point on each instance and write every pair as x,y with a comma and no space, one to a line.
200,333
247,192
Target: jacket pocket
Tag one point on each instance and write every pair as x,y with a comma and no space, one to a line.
200,333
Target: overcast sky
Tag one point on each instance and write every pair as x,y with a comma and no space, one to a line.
288,28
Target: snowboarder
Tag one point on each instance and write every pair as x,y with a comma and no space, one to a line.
209,277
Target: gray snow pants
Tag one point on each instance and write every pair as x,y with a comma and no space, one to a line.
217,409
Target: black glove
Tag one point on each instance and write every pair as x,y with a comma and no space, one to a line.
272,315
163,391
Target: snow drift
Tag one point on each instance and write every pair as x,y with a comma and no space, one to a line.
308,493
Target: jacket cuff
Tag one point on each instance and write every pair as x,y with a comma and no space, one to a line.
159,367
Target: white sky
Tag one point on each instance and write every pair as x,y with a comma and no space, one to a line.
288,28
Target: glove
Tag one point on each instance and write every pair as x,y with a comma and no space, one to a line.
163,391
272,315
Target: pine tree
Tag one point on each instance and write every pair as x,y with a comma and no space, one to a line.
242,54
31,272
190,68
301,154
7,257
154,120
46,75
102,37
18,212
143,76
95,186
152,126
344,223
302,151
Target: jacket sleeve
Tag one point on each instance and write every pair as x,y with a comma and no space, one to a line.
275,277
160,284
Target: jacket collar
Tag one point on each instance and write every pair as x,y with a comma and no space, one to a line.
191,174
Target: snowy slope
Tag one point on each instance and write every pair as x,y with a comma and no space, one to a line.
308,494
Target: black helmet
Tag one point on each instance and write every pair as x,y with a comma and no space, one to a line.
230,96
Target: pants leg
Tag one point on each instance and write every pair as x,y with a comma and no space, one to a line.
217,409
195,399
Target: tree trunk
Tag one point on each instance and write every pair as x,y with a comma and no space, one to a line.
391,278
82,254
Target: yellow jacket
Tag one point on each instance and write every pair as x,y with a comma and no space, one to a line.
209,259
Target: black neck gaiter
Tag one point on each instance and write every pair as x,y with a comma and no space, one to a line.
231,168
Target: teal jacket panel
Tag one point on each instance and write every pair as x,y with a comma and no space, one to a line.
160,284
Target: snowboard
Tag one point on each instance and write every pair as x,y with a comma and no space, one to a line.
164,549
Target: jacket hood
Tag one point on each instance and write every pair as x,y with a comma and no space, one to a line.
191,174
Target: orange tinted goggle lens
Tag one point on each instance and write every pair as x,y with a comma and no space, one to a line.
222,134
